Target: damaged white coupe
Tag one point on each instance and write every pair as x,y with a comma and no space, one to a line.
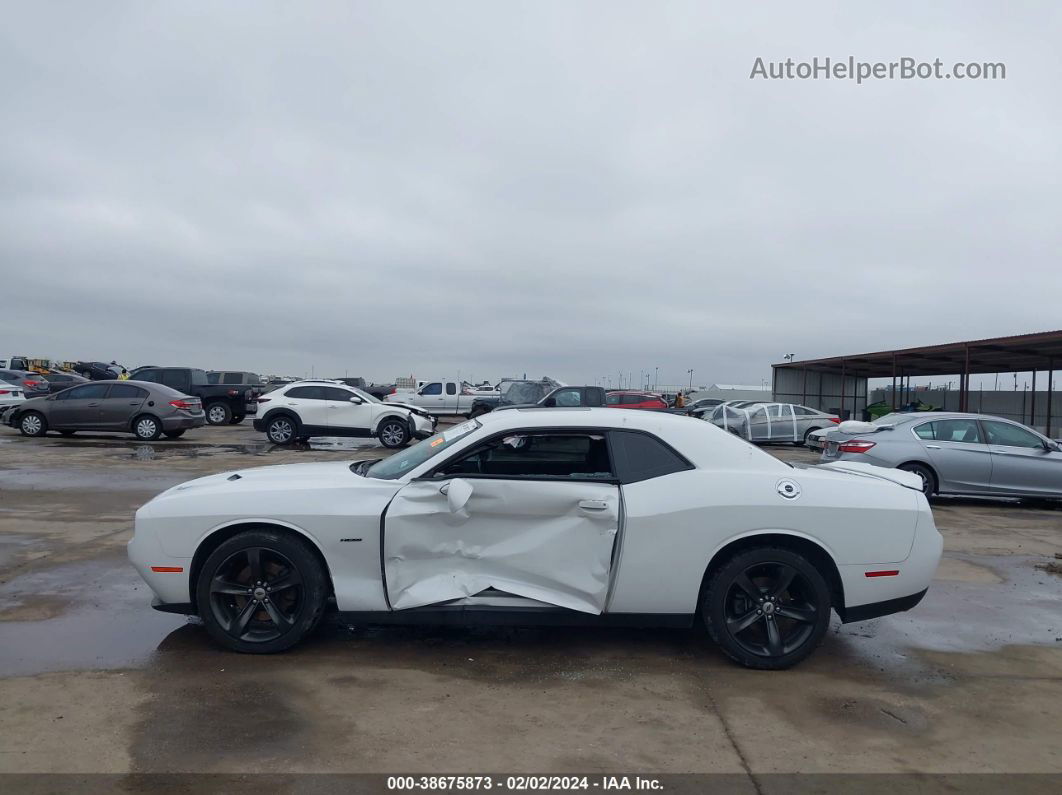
540,516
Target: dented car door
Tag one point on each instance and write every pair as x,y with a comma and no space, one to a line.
532,515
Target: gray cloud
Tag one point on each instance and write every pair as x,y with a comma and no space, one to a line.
575,189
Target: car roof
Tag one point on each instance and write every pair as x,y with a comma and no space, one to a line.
585,416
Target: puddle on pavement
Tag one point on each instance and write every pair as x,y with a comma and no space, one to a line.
104,619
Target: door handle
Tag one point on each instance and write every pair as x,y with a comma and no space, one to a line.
93,405
932,446
445,487
593,505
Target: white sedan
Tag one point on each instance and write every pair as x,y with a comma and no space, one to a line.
597,516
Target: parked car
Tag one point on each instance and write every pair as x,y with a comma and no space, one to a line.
772,422
224,404
57,382
11,397
513,392
97,371
564,397
516,516
439,398
955,453
635,400
33,384
234,377
329,408
702,403
817,439
143,409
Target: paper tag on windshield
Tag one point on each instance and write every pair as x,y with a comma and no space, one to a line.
459,430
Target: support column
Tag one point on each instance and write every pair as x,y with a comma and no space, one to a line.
1032,403
841,408
1050,382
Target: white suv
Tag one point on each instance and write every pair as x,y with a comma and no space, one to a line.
329,408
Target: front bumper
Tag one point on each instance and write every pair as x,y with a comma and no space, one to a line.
423,427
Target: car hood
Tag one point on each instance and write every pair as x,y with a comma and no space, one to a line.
277,479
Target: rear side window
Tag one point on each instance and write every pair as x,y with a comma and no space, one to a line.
305,393
640,456
151,376
126,391
926,431
233,378
177,379
212,378
451,388
958,431
593,398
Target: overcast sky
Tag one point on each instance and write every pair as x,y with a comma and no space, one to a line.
572,189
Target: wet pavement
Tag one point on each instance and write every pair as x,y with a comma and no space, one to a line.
93,680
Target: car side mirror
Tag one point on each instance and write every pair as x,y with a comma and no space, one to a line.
1053,446
458,492
550,402
355,399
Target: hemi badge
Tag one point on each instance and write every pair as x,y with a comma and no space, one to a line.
167,568
890,573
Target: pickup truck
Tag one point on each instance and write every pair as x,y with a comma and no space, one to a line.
513,392
435,397
224,404
564,397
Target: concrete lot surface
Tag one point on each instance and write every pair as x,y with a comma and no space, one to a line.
93,680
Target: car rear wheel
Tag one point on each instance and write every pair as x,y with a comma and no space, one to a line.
281,430
261,591
218,414
393,433
767,607
929,480
33,424
147,428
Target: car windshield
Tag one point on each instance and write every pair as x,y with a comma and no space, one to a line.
364,395
407,460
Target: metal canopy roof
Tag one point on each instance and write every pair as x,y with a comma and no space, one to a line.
1024,352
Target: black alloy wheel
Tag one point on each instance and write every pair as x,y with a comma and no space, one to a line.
261,591
767,608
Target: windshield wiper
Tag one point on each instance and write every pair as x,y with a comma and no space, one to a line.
360,467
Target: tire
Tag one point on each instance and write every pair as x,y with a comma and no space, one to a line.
33,423
218,413
282,429
393,433
929,479
147,428
175,434
237,586
237,419
67,433
758,636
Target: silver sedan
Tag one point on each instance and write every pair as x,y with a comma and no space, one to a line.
771,422
955,453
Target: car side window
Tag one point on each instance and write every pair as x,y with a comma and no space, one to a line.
451,388
613,400
926,431
151,376
966,431
127,391
1004,433
335,393
305,393
233,378
567,397
551,456
86,392
432,389
641,456
175,379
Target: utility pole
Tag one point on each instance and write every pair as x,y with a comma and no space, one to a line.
690,371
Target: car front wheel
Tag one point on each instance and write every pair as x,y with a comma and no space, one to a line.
261,591
33,424
393,433
767,607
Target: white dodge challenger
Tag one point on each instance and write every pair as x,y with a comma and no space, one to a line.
537,516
